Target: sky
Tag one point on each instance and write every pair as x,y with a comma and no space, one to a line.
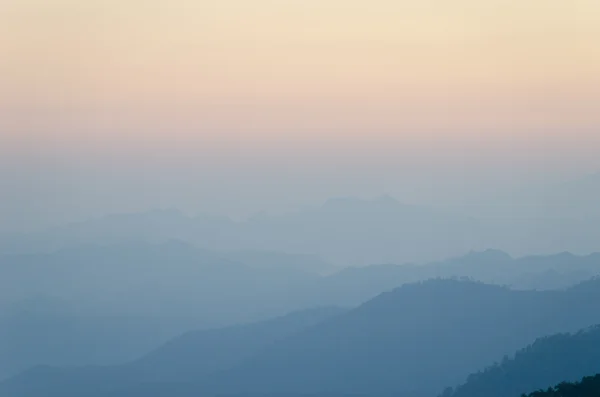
237,106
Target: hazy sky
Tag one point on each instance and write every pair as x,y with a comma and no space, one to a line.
240,105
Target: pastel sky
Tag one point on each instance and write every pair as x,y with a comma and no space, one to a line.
224,91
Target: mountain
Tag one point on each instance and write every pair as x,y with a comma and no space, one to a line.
342,231
415,339
202,352
64,339
351,231
121,301
150,227
278,261
543,218
188,356
553,271
107,305
557,271
548,361
394,342
177,278
173,278
589,386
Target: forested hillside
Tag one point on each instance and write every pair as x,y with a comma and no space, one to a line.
548,361
587,387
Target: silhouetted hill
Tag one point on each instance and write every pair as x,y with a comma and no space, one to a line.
490,266
152,292
176,276
202,352
184,358
107,305
394,342
342,231
28,339
418,338
277,261
548,361
351,231
172,277
589,386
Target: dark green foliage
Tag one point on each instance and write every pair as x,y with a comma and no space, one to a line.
562,357
587,387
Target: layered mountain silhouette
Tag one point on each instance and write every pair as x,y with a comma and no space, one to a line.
417,339
142,278
107,305
396,341
490,266
189,356
121,301
65,339
351,231
548,361
343,231
185,273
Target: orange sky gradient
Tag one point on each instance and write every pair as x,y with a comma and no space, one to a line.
265,68
304,98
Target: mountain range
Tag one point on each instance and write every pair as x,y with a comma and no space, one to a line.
122,301
352,231
414,340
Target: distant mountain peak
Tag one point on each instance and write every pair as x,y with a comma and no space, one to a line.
565,255
488,254
592,284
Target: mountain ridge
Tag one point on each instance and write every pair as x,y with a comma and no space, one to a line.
394,342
